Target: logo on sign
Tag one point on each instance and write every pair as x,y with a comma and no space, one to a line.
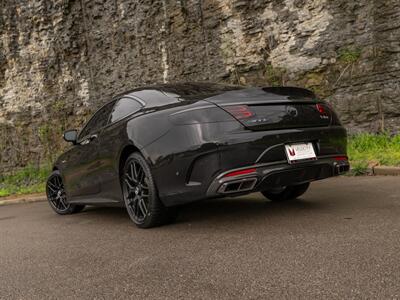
291,152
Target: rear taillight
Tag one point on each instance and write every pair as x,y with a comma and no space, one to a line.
240,112
334,118
341,158
241,172
322,109
326,111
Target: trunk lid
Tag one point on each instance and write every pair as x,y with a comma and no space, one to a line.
274,108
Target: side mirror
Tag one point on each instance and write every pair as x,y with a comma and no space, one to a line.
71,136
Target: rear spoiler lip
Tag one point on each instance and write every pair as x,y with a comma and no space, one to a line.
272,102
264,95
290,91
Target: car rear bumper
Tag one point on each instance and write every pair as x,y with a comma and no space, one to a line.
185,176
277,174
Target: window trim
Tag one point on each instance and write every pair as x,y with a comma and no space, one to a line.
138,100
81,139
114,101
135,98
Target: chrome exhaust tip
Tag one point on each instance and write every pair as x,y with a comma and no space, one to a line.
237,186
341,169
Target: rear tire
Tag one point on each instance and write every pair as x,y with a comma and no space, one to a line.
287,193
140,195
57,197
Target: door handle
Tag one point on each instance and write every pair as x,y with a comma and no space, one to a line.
89,139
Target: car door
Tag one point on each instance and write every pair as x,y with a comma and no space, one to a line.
110,142
82,174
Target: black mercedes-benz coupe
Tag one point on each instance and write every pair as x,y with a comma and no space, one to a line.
155,148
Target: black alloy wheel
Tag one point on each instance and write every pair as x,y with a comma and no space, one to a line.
57,197
140,195
286,193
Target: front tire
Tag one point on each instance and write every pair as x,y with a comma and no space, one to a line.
140,194
286,193
57,198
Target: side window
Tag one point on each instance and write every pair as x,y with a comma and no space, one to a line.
98,121
123,108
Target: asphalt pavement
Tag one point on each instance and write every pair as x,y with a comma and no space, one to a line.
340,240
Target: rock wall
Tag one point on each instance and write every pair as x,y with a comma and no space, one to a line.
61,59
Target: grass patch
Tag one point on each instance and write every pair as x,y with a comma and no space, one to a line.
379,149
349,55
25,181
358,168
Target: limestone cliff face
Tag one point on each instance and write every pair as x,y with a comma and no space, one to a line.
61,59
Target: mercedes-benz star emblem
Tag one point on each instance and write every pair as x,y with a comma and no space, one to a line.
292,111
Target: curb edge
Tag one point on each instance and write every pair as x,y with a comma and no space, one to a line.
21,200
386,171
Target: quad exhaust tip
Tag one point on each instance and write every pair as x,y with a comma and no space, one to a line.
341,169
237,186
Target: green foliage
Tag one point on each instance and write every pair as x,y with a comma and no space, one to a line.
317,82
382,149
349,56
44,133
30,179
359,168
49,136
59,105
274,76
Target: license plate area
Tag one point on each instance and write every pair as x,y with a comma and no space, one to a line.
300,152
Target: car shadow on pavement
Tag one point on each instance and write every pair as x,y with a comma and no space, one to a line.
243,208
240,209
